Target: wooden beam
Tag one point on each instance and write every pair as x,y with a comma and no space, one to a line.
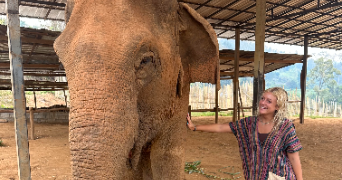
37,74
236,73
26,40
303,81
14,46
39,88
39,110
277,61
62,5
232,74
259,56
193,110
33,82
49,56
33,66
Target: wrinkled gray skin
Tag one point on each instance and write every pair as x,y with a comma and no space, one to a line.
129,65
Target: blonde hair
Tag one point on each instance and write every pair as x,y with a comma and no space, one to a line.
280,114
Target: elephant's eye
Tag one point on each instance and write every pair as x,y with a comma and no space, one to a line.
146,60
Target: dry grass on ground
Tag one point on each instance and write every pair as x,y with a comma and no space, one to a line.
321,157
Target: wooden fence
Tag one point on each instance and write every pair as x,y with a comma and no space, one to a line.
202,96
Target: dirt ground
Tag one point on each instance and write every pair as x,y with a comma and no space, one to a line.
321,157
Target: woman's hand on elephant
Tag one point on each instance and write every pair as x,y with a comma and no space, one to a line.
190,125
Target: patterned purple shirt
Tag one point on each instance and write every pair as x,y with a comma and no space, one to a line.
271,155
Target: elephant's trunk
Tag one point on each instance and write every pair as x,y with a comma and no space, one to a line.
103,119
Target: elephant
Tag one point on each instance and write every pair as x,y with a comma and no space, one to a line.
129,65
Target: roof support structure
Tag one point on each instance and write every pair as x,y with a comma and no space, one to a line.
216,103
303,80
14,46
259,57
236,73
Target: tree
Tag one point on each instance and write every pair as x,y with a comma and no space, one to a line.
322,76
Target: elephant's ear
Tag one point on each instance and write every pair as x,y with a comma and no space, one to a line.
198,47
68,10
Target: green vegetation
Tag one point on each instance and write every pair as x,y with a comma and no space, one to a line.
193,167
6,99
1,143
322,78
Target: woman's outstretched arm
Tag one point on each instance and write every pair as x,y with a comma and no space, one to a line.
220,128
295,162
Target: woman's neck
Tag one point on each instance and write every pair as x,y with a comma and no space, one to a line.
265,118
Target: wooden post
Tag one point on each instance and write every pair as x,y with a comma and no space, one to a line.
17,78
227,92
189,111
199,96
236,72
303,80
207,96
238,112
308,107
259,57
335,109
240,104
216,104
35,99
32,123
65,98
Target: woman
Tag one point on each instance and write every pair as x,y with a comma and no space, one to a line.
268,143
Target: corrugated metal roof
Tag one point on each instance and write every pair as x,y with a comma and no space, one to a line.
42,9
285,18
39,59
287,21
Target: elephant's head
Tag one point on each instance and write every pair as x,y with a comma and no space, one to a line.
129,65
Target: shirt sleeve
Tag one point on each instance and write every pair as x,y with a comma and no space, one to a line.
292,143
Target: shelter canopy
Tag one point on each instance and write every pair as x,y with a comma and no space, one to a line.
287,21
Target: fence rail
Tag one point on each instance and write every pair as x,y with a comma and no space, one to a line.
202,97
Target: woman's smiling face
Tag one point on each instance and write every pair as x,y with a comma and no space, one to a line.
267,104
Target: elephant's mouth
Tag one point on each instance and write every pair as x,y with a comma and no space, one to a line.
136,154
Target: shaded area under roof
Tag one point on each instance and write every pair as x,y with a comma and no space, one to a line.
40,61
273,61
